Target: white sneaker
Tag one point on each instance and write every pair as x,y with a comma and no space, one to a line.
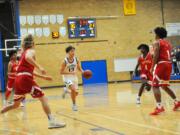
64,93
55,124
138,101
21,104
74,108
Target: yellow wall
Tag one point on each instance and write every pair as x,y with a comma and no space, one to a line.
122,34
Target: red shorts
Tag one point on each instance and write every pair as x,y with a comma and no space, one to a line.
147,76
10,84
24,84
162,74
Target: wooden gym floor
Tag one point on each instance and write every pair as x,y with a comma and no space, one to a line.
103,110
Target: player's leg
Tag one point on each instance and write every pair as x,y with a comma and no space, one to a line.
141,89
37,93
74,94
173,96
159,108
15,104
158,73
8,92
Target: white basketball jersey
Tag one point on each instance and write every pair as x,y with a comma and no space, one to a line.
70,67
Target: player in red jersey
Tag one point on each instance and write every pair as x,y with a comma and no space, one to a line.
161,70
145,63
12,68
25,84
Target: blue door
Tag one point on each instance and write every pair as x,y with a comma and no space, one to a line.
99,70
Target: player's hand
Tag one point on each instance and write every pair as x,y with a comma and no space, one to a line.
42,70
48,78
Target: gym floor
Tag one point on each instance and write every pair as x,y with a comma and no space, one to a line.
103,110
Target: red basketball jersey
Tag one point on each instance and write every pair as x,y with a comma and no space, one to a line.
24,66
145,63
13,69
164,50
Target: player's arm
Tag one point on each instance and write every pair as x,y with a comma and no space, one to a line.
156,53
136,68
79,66
30,58
9,69
62,69
45,77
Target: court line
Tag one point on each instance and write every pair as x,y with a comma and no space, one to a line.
67,116
129,122
26,133
135,124
88,123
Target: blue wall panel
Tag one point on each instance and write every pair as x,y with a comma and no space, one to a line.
99,69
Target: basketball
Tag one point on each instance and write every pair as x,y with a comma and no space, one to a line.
87,74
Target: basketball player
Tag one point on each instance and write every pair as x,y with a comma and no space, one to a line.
12,68
145,63
68,70
161,69
25,84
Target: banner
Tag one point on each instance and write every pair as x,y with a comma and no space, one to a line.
129,7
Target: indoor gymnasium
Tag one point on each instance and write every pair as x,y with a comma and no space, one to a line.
89,67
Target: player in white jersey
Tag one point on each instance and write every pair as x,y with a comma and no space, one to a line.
69,68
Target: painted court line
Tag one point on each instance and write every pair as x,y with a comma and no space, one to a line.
130,122
135,124
88,123
16,131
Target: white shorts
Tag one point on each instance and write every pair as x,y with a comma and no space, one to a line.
71,81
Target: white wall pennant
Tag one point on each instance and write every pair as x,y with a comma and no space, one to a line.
23,20
60,19
52,19
37,19
31,31
23,31
62,31
46,31
45,19
38,32
30,20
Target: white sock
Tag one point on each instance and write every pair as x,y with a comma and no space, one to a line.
50,117
138,97
159,105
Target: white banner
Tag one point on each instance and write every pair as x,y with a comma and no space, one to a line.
23,20
30,20
52,19
62,31
45,19
38,32
60,19
46,31
37,19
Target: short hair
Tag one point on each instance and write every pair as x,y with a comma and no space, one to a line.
143,46
69,48
160,32
11,53
28,41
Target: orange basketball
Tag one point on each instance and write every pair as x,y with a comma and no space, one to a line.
87,74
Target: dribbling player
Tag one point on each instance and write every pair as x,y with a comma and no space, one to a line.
161,70
68,70
145,63
25,84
